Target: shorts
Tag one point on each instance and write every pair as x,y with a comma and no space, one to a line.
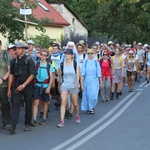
129,74
70,90
43,96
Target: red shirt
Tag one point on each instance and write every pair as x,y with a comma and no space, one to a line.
106,69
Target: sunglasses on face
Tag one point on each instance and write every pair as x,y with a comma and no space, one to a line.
105,54
43,55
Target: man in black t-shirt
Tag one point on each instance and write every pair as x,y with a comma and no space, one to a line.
22,72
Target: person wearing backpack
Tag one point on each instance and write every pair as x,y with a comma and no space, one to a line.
43,83
107,71
22,72
118,66
70,72
90,79
5,59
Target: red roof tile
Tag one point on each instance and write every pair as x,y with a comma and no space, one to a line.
39,13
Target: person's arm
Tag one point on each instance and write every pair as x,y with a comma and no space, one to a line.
50,83
10,80
82,84
78,76
108,48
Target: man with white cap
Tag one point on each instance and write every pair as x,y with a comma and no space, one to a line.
11,50
31,51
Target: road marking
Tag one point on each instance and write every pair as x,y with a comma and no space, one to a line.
139,89
142,84
92,125
147,85
98,130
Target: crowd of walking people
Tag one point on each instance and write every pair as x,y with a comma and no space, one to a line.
34,76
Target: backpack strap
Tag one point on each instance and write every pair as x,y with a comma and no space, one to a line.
5,56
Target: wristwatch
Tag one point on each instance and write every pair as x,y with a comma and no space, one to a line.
23,85
3,79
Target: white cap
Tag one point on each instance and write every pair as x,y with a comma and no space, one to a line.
145,45
30,42
110,43
11,46
139,44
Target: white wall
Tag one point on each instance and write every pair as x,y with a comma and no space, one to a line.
77,27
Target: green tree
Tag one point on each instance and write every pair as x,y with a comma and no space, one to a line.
11,28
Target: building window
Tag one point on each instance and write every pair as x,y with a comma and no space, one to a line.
73,20
45,8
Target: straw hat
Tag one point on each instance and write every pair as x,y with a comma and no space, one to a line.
90,51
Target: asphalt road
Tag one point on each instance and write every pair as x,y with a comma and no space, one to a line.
122,124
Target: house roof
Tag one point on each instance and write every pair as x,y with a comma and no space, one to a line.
71,11
52,14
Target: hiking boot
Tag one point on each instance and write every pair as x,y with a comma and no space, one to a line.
112,97
61,124
117,96
27,128
34,123
78,119
43,122
10,128
120,93
130,90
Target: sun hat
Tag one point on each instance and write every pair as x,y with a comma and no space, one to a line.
90,51
110,43
20,45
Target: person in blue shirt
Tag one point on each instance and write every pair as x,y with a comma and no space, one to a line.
42,87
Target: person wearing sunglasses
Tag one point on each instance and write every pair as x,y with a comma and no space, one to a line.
90,78
107,71
70,72
42,87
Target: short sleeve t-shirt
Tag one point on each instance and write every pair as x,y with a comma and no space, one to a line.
140,54
42,74
4,64
106,69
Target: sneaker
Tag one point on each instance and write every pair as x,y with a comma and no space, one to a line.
147,81
43,122
120,93
88,112
61,124
92,111
27,128
107,99
10,128
130,90
117,96
34,123
126,84
78,119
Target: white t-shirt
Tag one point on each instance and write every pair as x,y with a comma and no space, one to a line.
140,54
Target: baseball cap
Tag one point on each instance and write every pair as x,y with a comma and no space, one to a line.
30,42
68,51
11,46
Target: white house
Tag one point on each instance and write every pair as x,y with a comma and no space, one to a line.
77,26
